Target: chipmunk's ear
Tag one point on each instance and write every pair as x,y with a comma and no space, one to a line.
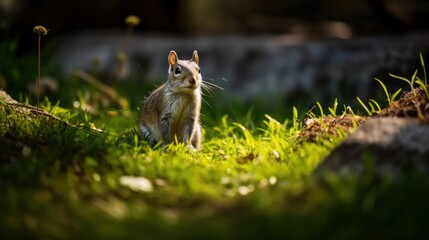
195,57
172,58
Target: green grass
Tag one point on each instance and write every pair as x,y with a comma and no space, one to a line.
64,182
255,177
76,171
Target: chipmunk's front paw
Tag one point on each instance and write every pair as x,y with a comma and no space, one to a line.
192,148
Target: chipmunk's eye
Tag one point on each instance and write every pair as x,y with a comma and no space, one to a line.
177,71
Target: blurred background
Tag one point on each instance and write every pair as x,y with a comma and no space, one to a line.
298,51
221,16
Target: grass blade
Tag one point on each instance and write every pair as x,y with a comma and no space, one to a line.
396,94
424,68
295,120
295,114
385,89
364,106
321,109
372,107
376,104
413,79
400,78
333,110
423,86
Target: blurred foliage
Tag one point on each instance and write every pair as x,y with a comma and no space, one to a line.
215,16
256,177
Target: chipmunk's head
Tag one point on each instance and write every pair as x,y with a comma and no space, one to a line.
184,75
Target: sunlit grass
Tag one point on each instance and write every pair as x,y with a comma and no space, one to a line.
74,181
91,176
66,166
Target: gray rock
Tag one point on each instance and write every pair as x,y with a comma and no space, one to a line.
390,145
257,66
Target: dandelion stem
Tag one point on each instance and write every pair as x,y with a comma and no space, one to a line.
131,21
39,30
38,69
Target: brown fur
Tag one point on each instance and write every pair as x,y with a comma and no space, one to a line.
172,111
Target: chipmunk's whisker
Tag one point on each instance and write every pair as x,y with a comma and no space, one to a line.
208,90
208,104
206,87
213,79
212,85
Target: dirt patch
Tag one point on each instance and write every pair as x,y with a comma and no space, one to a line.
413,104
393,140
317,128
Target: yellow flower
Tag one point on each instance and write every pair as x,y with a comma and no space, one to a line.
132,20
41,30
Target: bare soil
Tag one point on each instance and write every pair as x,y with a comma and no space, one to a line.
316,128
413,104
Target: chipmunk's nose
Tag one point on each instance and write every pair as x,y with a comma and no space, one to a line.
192,80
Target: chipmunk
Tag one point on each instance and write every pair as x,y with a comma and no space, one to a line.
173,110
